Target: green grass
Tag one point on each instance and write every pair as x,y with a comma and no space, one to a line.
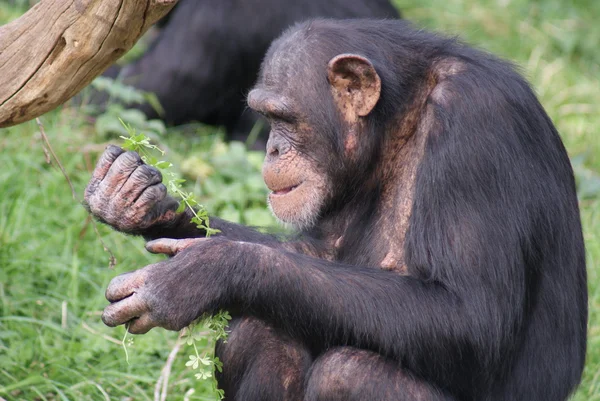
53,269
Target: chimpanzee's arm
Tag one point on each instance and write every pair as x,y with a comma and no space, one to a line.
182,227
434,328
334,304
129,195
424,324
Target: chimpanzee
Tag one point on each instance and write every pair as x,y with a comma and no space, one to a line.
208,54
439,255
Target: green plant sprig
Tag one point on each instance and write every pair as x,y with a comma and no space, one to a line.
141,144
208,329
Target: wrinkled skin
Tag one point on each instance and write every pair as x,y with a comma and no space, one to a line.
128,194
145,299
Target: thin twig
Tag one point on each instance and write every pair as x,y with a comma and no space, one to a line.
162,384
112,261
45,138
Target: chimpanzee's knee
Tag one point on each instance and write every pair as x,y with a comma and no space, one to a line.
352,374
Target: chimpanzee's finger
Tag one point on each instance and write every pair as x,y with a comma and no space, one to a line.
151,207
125,285
102,166
143,177
119,172
123,311
142,324
170,246
150,197
106,160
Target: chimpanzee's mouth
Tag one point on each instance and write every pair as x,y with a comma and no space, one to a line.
285,191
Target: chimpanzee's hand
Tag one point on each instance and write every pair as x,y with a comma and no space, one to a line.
201,278
128,194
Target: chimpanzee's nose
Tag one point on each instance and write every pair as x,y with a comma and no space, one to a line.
273,151
276,146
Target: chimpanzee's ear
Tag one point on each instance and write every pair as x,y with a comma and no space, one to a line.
355,84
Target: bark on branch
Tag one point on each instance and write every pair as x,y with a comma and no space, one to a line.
59,46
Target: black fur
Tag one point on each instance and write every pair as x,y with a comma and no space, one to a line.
208,54
494,303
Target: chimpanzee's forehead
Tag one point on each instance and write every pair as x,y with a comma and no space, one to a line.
303,51
289,59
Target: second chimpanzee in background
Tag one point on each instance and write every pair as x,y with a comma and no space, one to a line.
208,53
440,253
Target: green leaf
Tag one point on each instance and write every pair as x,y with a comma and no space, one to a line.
152,161
203,375
197,221
192,361
163,164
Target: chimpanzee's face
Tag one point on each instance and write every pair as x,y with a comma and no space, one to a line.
302,162
298,187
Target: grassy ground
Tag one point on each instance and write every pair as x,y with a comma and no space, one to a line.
53,269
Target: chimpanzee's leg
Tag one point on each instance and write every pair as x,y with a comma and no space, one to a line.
351,374
261,363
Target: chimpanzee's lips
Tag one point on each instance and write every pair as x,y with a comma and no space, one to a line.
284,191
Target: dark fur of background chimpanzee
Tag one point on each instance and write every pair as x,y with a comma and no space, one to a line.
207,55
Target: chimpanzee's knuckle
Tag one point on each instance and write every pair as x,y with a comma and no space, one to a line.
142,177
153,194
148,174
128,161
169,203
113,151
139,327
122,286
107,158
161,191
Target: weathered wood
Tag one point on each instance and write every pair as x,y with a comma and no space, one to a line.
59,46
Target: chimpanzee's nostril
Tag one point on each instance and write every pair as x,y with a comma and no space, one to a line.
273,151
276,146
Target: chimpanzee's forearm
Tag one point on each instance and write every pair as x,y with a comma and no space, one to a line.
183,227
331,304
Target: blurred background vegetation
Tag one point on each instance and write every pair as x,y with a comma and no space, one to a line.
53,269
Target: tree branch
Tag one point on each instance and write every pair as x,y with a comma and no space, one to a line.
59,46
